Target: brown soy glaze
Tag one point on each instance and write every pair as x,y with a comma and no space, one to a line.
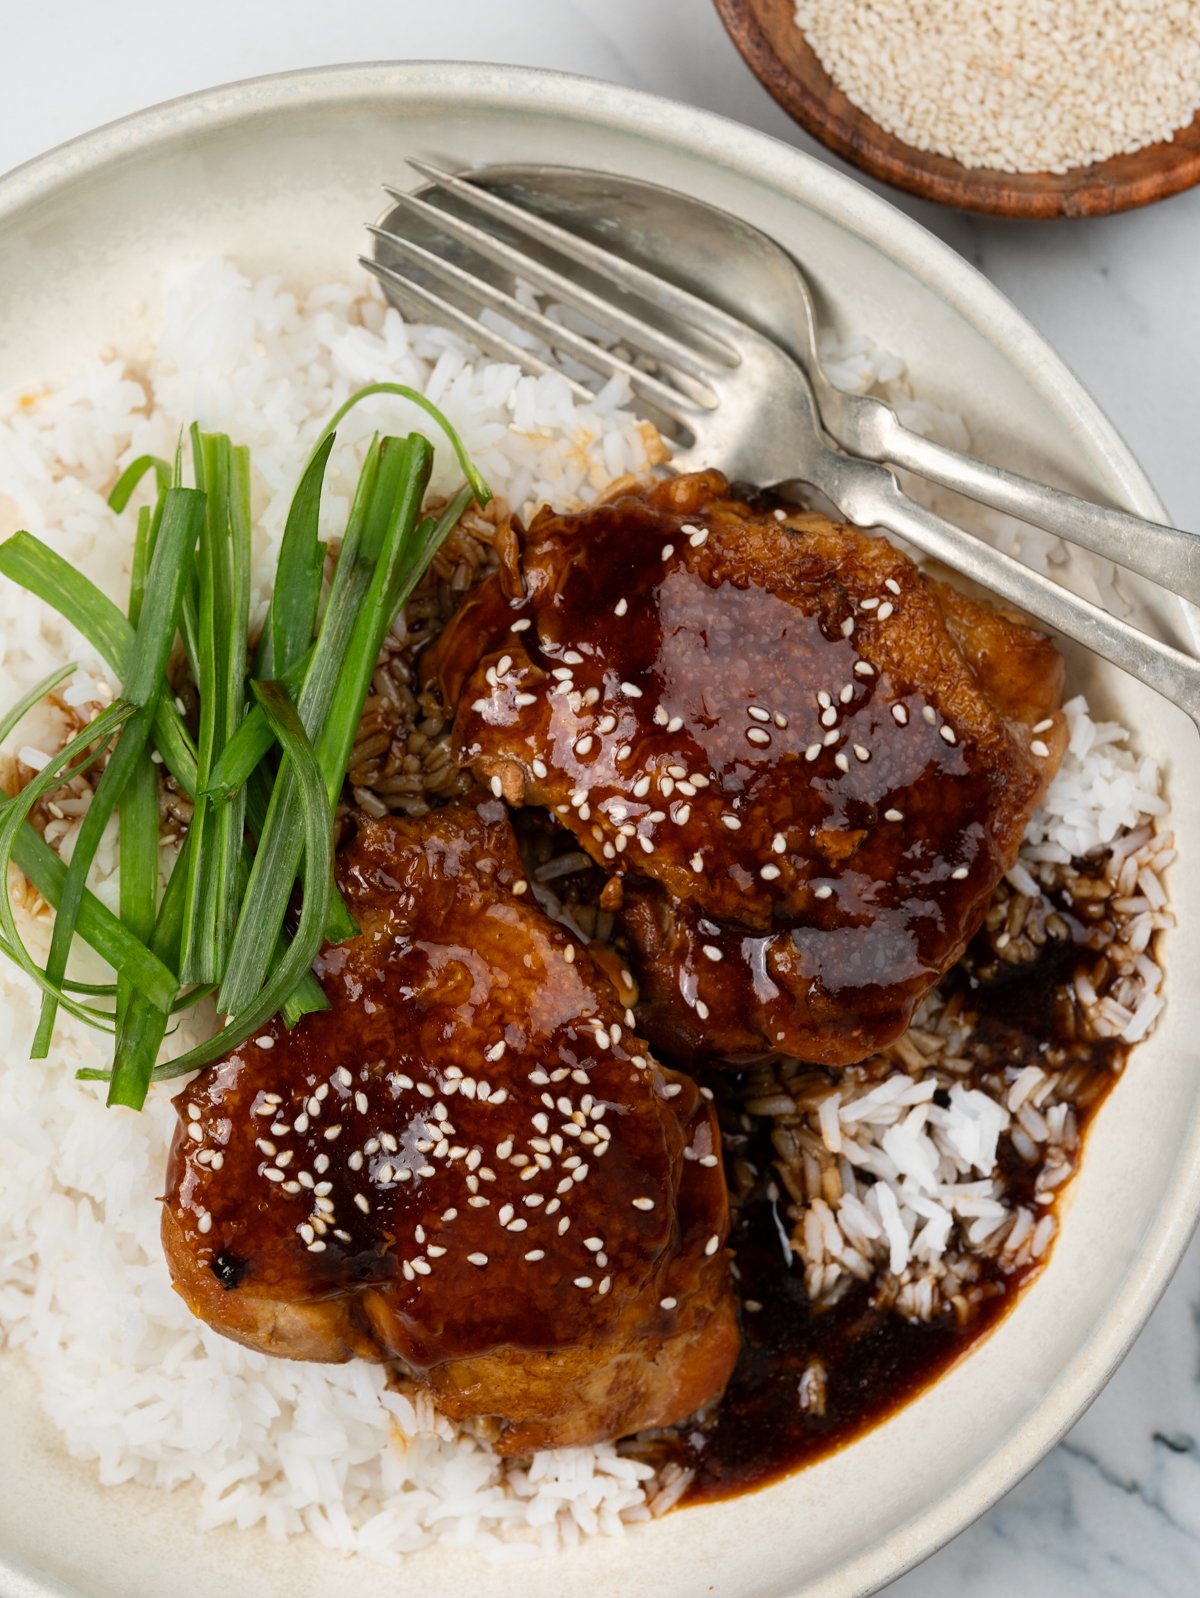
805,847
875,1361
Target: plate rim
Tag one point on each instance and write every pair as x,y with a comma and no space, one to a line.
763,159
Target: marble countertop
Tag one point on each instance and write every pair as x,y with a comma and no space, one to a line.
1114,1512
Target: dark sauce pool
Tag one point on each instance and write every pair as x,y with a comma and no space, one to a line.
875,1361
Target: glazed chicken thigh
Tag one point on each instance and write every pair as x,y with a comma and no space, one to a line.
807,762
469,1164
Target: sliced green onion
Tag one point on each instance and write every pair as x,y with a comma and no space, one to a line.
479,488
316,882
296,596
395,488
221,622
143,1025
81,752
45,574
132,476
157,626
97,926
137,810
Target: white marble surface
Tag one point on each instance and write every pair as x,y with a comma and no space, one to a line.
1114,1512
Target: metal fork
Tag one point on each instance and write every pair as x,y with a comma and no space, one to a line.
730,397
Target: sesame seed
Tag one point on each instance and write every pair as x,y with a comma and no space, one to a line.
1038,748
520,626
497,788
711,952
667,1303
204,1224
929,713
641,787
495,1052
863,668
847,694
702,1009
583,1281
758,713
535,1254
831,737
1045,726
841,762
893,815
828,717
712,1245
769,872
823,699
697,862
959,873
477,1259
621,606
583,745
885,610
861,752
900,715
848,627
363,1203
869,604
667,551
823,892
731,822
756,735
812,751
361,1102
892,586
265,1042
947,733
273,1174
631,691
645,1203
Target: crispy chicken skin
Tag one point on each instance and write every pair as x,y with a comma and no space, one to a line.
809,762
469,1164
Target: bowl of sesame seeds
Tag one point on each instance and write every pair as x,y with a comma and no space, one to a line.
1035,110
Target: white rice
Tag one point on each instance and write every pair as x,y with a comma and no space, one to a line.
129,1377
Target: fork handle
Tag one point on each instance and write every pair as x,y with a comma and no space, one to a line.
1167,670
1166,555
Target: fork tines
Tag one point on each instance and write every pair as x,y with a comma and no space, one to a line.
666,366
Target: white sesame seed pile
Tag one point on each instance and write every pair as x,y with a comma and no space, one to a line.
1015,85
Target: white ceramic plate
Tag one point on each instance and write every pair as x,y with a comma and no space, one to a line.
281,174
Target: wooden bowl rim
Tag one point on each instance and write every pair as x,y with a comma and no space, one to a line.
1120,183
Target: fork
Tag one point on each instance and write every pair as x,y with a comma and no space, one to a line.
730,397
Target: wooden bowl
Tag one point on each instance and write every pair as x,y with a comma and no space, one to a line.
775,49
